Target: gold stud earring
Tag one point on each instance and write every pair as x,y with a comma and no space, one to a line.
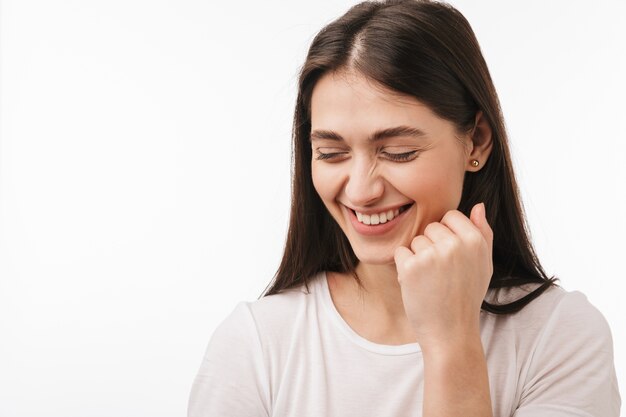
475,163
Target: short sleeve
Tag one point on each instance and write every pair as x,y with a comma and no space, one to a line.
232,380
572,371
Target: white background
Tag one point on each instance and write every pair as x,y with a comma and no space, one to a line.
144,177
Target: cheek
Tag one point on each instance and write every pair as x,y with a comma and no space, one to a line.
435,188
326,182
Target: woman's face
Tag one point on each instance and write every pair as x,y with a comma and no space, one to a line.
384,165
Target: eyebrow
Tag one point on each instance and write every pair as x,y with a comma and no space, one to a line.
376,136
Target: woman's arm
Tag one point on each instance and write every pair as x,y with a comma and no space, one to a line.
455,380
444,277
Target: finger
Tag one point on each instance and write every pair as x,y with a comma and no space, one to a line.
401,254
461,225
478,216
420,242
437,232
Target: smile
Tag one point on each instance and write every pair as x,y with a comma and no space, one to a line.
379,218
376,223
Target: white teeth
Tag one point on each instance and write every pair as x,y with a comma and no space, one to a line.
380,218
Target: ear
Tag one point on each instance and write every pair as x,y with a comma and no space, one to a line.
481,143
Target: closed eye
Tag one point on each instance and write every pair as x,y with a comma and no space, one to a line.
398,157
403,157
322,156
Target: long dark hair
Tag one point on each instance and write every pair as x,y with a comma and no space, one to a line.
427,50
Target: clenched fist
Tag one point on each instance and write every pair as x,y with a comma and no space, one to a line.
444,277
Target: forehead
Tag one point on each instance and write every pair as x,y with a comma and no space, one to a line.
349,102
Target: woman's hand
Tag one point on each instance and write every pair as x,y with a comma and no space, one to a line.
444,277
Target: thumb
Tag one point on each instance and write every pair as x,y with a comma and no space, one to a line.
478,216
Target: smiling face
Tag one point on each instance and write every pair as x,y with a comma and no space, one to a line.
377,152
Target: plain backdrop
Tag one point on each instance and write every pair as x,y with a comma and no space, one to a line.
145,177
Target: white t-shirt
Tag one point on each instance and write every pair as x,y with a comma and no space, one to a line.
293,355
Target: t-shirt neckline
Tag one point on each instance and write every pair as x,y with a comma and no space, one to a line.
329,306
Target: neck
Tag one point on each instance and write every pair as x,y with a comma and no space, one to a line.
382,290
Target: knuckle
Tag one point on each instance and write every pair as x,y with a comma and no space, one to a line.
424,255
475,239
418,241
430,227
449,246
450,214
413,263
452,241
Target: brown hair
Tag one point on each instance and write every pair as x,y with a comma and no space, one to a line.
427,50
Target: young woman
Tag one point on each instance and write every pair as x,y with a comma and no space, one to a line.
409,285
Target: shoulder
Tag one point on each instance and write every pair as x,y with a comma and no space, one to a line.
273,315
565,349
558,325
570,324
236,374
555,306
278,313
574,312
287,299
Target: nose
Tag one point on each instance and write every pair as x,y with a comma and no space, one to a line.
364,185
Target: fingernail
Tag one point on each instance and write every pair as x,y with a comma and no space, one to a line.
484,210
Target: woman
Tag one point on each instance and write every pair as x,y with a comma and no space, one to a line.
409,285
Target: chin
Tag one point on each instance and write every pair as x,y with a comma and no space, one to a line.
375,258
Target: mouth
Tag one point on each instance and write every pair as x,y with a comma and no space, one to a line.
375,224
377,219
